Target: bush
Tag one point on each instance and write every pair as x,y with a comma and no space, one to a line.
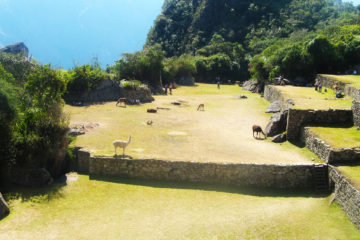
131,85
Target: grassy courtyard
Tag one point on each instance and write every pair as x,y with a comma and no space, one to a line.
133,209
221,133
308,98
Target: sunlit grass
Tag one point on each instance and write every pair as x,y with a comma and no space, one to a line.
221,133
308,98
132,209
338,137
354,80
351,172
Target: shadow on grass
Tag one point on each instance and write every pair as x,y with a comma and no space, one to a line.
28,194
253,191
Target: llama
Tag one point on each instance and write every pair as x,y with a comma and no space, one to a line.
121,144
121,100
257,129
201,107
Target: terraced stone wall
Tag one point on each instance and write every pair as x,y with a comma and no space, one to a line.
356,112
325,152
298,118
250,175
349,90
346,195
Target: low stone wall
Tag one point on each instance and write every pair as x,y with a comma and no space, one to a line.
356,112
325,152
298,118
251,175
346,195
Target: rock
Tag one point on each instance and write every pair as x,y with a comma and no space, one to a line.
31,177
274,107
76,132
290,103
16,49
176,103
186,81
4,208
242,96
277,124
279,138
151,110
250,85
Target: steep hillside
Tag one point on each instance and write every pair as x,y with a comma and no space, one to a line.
187,25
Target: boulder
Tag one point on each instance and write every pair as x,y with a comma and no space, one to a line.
16,49
76,132
4,208
279,138
186,81
242,96
274,107
277,124
250,85
31,177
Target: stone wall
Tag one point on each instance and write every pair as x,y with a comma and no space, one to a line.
108,91
83,158
251,175
298,118
346,195
325,152
349,90
356,112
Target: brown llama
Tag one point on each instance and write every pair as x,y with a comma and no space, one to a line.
121,100
257,129
201,107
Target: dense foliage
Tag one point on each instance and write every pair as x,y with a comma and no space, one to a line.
83,78
145,66
294,38
32,124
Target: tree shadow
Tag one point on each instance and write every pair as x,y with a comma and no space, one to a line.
226,188
27,194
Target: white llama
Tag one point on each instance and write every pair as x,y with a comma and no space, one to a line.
121,144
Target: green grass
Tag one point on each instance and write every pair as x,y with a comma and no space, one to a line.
133,209
339,137
353,80
308,98
353,173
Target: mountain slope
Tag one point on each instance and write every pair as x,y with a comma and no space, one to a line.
187,25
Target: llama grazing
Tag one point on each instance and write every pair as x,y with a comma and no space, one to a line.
121,144
257,129
121,100
201,107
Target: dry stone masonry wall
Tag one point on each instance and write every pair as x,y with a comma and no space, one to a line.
356,112
298,118
325,152
346,195
251,175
